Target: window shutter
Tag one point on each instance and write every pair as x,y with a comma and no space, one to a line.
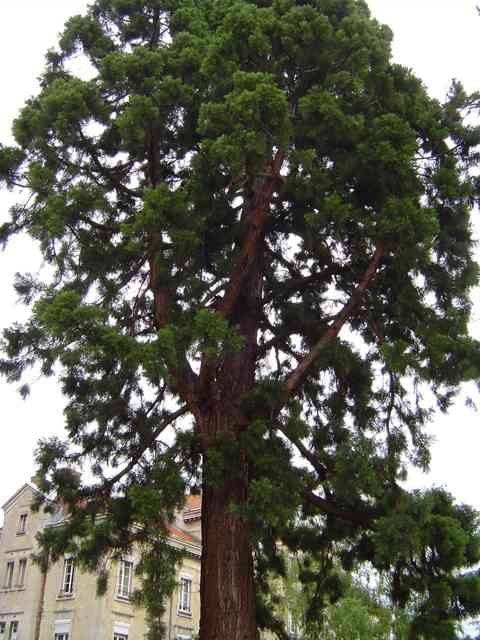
63,626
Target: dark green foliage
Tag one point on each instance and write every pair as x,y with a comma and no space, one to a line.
227,186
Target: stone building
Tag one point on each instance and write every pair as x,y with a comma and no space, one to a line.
62,604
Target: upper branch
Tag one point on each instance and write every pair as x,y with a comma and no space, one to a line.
107,174
146,445
257,221
320,468
184,377
289,287
298,375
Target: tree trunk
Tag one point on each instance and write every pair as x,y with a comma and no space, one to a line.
227,587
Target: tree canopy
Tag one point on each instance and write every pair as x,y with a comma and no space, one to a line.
257,235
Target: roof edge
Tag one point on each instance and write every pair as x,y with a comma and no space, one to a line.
24,486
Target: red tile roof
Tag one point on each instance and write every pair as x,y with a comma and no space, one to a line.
181,535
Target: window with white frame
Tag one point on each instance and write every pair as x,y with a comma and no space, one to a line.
120,631
22,570
9,574
62,629
22,523
68,578
13,635
185,595
125,577
293,627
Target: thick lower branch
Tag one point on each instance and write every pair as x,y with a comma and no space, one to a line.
361,518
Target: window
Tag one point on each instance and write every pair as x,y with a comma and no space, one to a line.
13,630
9,574
120,631
22,523
2,628
62,629
185,599
68,577
124,586
22,569
293,627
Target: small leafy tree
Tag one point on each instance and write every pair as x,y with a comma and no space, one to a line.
363,613
259,258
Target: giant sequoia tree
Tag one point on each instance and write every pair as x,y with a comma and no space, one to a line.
257,235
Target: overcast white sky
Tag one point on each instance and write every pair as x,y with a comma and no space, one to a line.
439,39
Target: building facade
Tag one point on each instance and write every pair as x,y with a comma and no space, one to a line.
62,604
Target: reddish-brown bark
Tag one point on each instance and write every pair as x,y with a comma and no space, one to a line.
227,587
257,218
